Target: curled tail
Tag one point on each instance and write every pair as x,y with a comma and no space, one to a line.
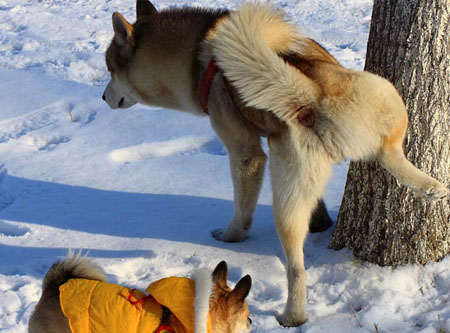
72,267
246,46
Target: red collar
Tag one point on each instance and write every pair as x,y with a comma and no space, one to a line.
205,86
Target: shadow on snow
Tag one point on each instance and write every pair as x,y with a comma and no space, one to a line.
177,218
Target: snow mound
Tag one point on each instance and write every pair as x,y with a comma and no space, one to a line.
146,151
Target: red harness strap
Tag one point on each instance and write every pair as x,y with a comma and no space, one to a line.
164,326
205,86
139,301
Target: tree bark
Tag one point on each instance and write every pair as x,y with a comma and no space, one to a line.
382,222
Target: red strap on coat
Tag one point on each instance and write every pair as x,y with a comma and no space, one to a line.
164,326
205,85
139,301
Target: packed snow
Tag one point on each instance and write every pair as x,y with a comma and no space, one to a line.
142,189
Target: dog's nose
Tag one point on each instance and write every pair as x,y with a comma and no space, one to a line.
104,97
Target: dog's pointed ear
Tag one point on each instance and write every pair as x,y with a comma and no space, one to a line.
123,30
144,8
220,274
241,291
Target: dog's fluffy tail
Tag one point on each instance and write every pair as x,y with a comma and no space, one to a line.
73,266
246,46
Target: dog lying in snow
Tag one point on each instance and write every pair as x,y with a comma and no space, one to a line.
76,298
254,75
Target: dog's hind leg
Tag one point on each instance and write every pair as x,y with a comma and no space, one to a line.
48,316
297,184
247,161
393,159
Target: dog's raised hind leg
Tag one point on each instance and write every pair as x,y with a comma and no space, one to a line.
393,159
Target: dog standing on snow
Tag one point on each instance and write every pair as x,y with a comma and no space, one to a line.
76,298
254,75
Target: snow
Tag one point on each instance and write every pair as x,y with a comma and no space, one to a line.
141,189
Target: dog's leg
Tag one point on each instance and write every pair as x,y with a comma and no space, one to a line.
393,159
48,316
320,220
247,170
297,185
247,161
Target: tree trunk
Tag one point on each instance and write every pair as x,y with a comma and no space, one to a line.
382,222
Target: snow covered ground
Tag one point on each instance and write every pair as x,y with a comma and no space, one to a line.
141,189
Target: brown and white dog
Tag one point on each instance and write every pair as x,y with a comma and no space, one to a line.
256,76
76,298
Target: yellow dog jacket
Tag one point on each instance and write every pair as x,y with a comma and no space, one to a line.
100,307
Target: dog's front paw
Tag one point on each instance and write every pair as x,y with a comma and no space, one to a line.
291,319
224,235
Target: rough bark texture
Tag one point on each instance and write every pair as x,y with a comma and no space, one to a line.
380,221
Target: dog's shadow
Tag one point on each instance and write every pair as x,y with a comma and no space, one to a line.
176,218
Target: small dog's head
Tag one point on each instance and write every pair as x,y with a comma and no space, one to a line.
227,307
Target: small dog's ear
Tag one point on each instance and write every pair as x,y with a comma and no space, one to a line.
241,291
123,31
220,274
144,8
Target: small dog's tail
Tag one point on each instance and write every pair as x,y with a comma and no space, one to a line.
247,46
72,267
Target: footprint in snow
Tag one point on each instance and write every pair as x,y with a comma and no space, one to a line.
266,292
82,114
193,261
182,145
8,229
6,199
15,128
44,141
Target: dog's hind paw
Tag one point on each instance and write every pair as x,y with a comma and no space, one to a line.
434,192
290,320
224,235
